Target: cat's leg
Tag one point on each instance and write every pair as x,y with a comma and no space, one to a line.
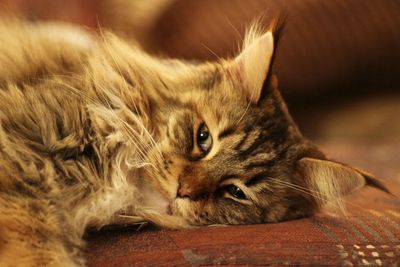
35,233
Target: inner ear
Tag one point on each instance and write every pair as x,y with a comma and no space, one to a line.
252,65
330,178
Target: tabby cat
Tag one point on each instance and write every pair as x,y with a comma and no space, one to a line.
93,131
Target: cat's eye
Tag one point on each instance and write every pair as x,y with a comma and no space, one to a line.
235,191
204,138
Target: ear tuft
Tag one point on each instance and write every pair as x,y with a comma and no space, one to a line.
370,180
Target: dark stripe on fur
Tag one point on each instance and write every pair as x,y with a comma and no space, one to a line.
261,139
227,176
256,179
226,132
261,164
247,131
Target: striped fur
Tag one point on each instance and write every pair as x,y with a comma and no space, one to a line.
93,131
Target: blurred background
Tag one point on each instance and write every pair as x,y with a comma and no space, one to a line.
338,62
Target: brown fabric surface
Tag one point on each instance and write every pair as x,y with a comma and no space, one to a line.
317,241
369,235
327,44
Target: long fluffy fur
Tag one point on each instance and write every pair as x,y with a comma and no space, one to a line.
94,131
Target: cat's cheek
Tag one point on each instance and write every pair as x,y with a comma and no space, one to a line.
172,169
195,212
184,208
155,200
164,178
179,207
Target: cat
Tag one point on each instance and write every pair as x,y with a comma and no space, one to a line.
94,131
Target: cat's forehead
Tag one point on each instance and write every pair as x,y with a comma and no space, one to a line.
212,88
230,111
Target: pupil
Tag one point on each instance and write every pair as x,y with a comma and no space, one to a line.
203,136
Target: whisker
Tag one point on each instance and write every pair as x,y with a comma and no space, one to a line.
244,113
212,52
318,195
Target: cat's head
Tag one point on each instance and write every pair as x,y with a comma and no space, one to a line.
228,152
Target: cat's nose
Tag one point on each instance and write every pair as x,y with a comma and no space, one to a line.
192,188
184,191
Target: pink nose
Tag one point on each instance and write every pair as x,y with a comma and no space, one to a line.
184,191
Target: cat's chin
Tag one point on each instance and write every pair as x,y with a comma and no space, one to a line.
155,200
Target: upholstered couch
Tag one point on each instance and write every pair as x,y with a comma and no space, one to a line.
338,68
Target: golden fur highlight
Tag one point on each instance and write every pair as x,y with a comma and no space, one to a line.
93,131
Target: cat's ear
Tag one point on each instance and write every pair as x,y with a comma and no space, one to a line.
252,65
329,181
